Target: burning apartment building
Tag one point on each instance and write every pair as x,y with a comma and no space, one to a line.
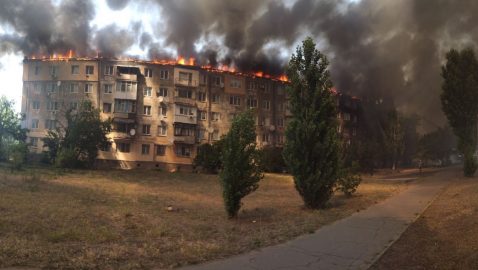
161,110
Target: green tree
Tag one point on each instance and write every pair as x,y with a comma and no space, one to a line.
312,146
241,172
460,102
10,128
77,143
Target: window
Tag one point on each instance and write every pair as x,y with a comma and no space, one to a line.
75,70
34,141
125,106
109,70
73,105
354,132
123,147
147,91
280,139
37,88
145,149
162,129
280,122
51,87
50,124
73,87
123,127
217,80
262,120
280,90
355,119
106,107
184,110
147,110
183,150
201,134
148,72
37,70
202,115
235,83
215,98
346,116
265,137
126,86
89,70
146,129
35,123
235,100
160,150
185,76
52,106
215,135
202,96
88,88
163,110
185,93
36,105
163,92
215,116
54,71
266,105
251,102
107,88
183,130
204,79
164,74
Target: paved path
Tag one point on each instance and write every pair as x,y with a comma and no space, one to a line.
351,243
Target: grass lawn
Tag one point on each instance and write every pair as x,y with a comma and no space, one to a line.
444,237
120,219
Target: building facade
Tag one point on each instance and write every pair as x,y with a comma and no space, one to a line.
160,112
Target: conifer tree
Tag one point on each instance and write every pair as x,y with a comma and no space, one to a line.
241,172
312,146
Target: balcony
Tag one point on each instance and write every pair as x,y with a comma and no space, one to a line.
185,139
185,101
190,83
125,117
118,135
127,77
191,119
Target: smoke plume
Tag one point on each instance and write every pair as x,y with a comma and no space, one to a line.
378,49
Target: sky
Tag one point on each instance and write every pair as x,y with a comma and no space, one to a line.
377,49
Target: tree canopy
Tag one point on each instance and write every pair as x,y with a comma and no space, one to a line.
10,126
459,100
76,144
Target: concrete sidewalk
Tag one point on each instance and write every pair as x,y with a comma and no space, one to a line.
351,243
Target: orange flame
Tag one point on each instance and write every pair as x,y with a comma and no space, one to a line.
259,74
283,78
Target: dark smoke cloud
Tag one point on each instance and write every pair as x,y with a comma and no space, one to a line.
378,49
42,28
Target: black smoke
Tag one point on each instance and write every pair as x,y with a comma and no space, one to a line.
379,49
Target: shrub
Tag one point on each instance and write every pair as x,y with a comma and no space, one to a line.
18,155
209,157
349,180
68,158
272,160
241,172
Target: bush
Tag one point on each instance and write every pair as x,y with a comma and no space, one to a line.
68,158
272,160
18,155
349,180
209,157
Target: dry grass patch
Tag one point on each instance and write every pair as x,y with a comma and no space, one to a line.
121,220
444,237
